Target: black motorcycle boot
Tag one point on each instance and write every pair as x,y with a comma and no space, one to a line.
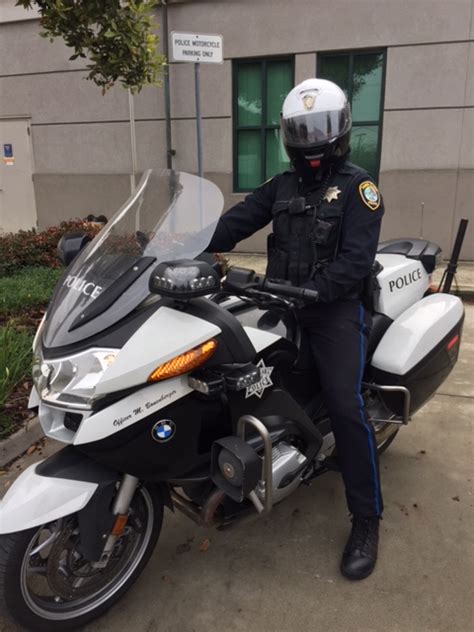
360,553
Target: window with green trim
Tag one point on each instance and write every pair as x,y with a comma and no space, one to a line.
361,75
260,87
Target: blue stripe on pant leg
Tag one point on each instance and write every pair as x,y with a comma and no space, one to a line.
365,422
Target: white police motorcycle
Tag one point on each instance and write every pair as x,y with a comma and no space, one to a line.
169,386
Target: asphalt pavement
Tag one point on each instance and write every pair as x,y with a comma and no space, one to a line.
281,573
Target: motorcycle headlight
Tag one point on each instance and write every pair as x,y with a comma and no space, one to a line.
39,331
71,381
184,279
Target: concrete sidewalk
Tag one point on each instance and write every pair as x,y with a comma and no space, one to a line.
280,573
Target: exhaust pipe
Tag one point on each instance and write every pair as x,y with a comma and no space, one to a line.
205,516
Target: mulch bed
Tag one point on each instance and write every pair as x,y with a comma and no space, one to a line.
28,320
16,408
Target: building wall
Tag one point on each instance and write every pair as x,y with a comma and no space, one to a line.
427,168
427,164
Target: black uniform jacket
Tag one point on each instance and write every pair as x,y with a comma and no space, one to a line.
350,188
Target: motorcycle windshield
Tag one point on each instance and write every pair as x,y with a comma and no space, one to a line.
172,215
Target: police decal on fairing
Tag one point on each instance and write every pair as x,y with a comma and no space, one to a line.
83,286
407,279
264,382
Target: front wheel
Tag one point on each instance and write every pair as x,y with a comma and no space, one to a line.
47,585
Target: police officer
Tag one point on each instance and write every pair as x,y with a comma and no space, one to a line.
326,215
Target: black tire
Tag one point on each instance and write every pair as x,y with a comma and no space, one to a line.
385,432
15,546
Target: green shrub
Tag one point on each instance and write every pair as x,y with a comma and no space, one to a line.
15,361
30,287
37,248
22,298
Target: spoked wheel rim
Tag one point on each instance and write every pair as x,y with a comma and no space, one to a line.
58,584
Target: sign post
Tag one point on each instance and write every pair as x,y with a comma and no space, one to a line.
197,48
197,89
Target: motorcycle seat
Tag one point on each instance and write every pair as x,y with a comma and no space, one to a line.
419,249
305,360
380,324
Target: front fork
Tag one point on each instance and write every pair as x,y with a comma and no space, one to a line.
120,509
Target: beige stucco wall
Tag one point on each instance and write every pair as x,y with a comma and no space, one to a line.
427,167
70,196
427,151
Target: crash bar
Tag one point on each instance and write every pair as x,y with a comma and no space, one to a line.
267,471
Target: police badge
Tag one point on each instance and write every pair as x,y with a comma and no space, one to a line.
308,101
370,195
332,194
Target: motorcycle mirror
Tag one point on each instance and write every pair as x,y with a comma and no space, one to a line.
213,261
183,279
70,245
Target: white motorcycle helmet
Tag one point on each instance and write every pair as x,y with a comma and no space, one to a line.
316,124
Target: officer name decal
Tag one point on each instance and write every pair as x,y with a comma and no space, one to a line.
406,279
370,195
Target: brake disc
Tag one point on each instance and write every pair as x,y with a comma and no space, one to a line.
70,576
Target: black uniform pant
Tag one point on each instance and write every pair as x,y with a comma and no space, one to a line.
338,334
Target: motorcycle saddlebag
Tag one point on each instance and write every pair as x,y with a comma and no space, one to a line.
419,350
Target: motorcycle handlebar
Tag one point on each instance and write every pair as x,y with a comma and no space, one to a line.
282,289
244,280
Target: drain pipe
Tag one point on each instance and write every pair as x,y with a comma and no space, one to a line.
169,150
133,142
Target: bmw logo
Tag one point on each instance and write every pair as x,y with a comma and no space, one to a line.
163,430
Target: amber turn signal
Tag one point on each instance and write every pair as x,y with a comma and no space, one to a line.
185,362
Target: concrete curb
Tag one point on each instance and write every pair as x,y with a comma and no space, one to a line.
20,441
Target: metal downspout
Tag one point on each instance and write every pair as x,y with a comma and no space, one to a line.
169,150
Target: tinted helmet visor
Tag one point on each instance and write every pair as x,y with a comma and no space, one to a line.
315,128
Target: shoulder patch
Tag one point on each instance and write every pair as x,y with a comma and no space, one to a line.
370,195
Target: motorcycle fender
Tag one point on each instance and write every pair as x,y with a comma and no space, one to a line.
34,400
59,486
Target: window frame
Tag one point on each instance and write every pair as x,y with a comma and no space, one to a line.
352,53
263,127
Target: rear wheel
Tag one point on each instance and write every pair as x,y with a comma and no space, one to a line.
45,582
385,434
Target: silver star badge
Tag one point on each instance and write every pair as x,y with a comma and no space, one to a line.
332,194
264,382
